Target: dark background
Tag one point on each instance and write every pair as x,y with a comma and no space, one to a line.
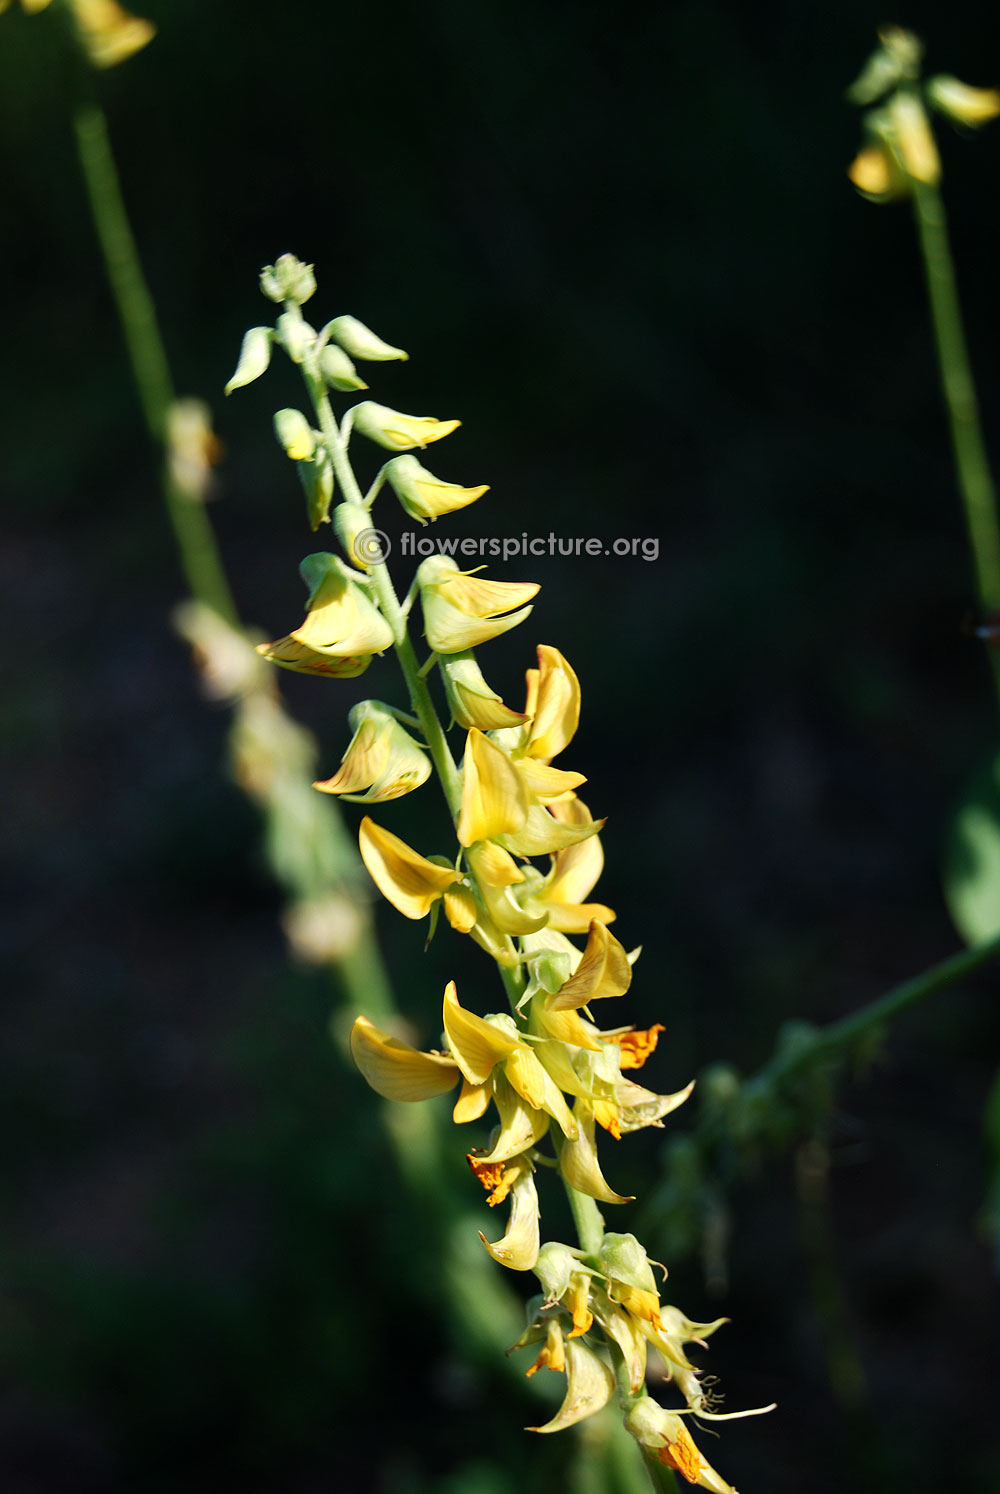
619,243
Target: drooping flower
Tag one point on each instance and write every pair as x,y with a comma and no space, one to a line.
343,627
470,699
382,761
397,431
663,1434
963,103
411,882
422,495
461,611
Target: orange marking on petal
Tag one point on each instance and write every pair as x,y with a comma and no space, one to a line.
684,1456
636,1047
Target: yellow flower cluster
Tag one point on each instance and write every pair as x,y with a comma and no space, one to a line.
519,883
900,154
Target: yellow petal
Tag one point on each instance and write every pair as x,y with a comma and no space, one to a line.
397,431
408,880
382,758
364,761
518,1250
460,909
476,1045
589,1387
871,171
604,971
578,1160
470,699
343,620
913,138
449,630
493,796
538,1089
552,1354
555,705
521,1126
547,783
473,1101
542,834
579,866
397,1071
970,106
480,598
291,653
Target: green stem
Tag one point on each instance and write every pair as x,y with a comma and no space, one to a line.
137,312
829,1041
971,461
420,696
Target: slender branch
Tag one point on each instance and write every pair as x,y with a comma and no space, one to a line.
958,387
196,544
420,696
827,1042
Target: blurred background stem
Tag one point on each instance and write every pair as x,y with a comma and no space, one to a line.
972,465
196,544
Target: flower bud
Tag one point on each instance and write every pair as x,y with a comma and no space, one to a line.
295,434
316,475
338,370
470,699
424,496
963,103
664,1435
288,279
295,335
397,431
355,338
255,355
382,759
554,1266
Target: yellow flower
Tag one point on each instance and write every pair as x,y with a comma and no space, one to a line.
875,173
961,102
518,1249
405,878
664,1434
911,137
343,626
382,758
575,870
505,798
589,1386
424,496
470,699
397,431
553,704
462,611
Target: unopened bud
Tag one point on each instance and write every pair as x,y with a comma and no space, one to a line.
355,338
255,355
338,370
295,335
295,434
288,279
397,431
